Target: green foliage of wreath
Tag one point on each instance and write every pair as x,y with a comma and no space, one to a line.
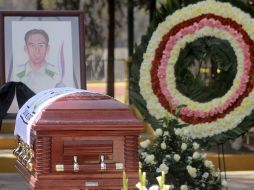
202,53
134,90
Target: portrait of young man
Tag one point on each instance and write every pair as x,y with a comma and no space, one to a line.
37,68
40,56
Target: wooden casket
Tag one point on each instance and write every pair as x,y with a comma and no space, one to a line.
77,140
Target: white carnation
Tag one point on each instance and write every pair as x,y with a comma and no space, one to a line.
192,171
184,187
184,146
177,157
158,132
163,146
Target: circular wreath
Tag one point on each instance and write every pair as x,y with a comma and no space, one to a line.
162,80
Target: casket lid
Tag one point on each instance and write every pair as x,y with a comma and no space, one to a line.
86,111
69,109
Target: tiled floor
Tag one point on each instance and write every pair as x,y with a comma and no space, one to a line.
12,181
236,181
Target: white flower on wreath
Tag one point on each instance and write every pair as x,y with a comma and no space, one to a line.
196,155
192,171
145,143
162,168
184,146
195,146
158,132
163,146
184,187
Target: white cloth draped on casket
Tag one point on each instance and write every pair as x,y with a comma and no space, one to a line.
32,108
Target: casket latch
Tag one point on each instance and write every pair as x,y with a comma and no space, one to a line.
119,166
59,167
75,165
103,164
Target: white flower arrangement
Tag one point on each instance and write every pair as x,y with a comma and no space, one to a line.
178,160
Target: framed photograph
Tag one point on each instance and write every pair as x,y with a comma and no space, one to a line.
42,49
